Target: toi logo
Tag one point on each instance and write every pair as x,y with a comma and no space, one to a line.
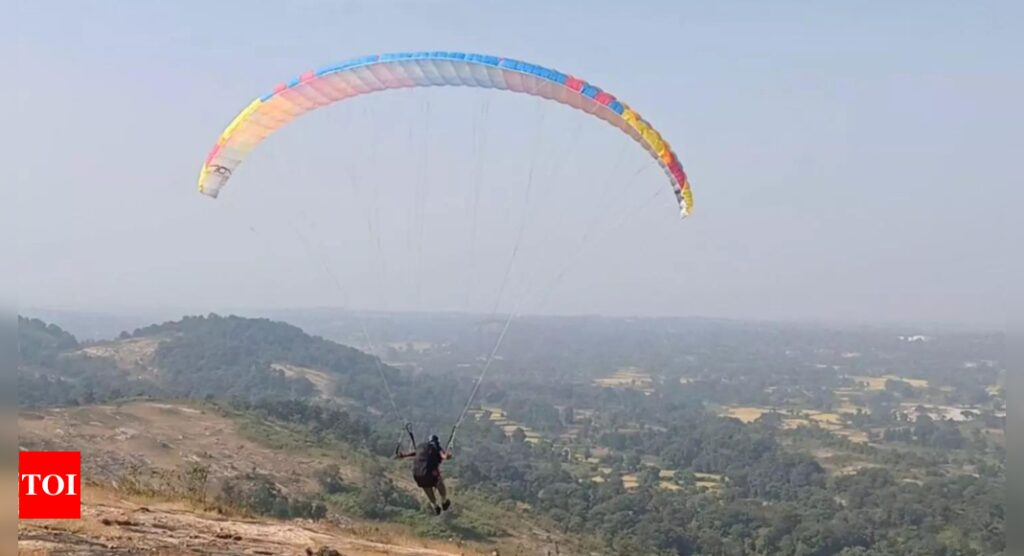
50,485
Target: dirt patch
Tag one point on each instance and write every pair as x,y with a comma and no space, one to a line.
135,355
163,437
114,525
323,382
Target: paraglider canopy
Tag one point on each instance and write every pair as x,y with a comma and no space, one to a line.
313,89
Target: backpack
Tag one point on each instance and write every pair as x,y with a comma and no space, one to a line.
428,459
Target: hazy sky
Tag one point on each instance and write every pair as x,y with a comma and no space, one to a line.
850,161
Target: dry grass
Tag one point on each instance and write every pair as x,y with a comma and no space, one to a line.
746,414
709,481
915,382
833,421
794,423
164,437
508,426
851,408
871,382
855,436
630,377
824,418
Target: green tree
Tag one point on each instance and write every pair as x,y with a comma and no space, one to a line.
518,436
329,479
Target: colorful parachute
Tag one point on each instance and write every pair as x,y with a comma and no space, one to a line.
314,89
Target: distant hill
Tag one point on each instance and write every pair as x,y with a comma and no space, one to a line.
211,357
90,326
50,372
40,343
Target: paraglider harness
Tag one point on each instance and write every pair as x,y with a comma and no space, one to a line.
429,456
412,439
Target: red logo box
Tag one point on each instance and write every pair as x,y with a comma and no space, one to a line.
49,485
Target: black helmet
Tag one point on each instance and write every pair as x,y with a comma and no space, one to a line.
435,440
